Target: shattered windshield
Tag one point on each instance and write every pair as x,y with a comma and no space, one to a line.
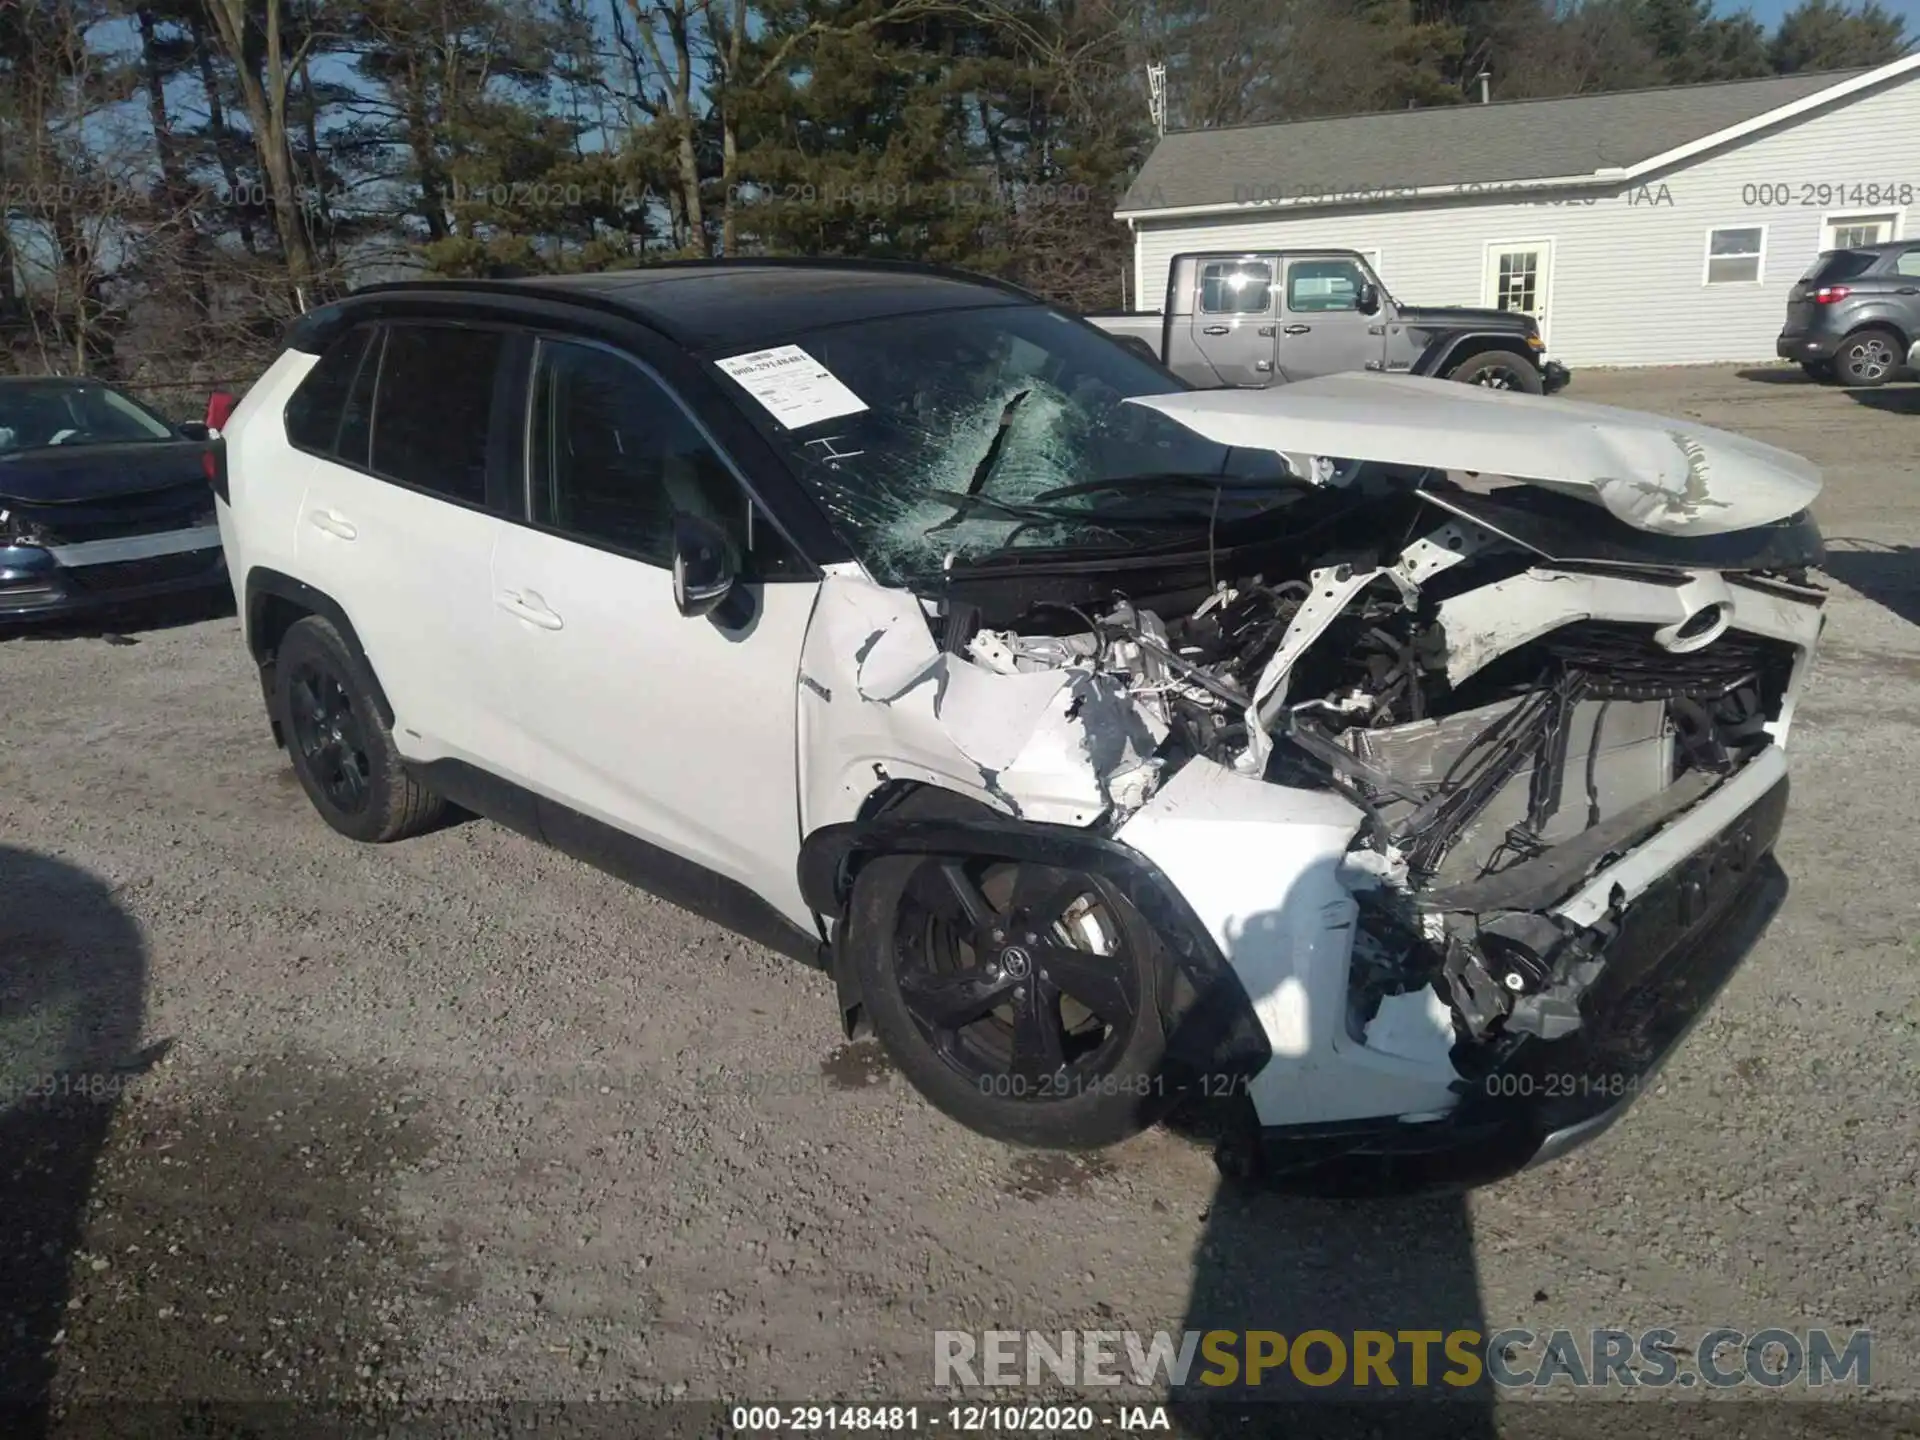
986,431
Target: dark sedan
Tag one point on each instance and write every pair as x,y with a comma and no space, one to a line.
102,502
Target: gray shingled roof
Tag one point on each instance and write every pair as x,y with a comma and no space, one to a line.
1511,140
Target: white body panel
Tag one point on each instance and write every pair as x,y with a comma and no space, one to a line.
1628,264
265,478
1260,864
672,729
411,572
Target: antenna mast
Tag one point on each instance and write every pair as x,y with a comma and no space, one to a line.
1157,97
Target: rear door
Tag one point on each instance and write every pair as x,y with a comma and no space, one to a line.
1233,322
398,524
1322,331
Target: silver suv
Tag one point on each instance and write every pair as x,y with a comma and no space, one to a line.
1855,314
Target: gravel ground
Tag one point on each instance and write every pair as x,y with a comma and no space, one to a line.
462,1119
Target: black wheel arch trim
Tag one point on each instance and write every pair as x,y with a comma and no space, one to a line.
1213,1032
263,584
1446,350
1876,320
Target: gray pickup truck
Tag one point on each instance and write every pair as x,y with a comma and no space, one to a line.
1252,319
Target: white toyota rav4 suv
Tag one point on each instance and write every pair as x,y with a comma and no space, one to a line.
1391,764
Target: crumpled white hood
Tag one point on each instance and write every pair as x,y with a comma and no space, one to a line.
1668,476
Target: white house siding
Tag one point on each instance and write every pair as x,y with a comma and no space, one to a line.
1628,285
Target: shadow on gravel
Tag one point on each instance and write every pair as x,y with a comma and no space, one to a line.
1779,375
1888,575
72,985
1901,400
1314,1255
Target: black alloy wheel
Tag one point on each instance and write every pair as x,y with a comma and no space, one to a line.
1022,999
332,741
1016,974
337,736
1499,370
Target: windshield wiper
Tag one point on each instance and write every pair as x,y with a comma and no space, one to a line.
984,470
1025,510
1129,484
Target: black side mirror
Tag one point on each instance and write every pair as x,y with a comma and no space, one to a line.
194,430
703,568
1368,300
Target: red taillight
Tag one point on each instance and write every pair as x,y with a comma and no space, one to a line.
220,406
1830,294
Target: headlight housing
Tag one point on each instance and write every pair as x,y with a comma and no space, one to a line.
16,529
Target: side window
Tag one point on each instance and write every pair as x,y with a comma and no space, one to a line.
615,458
313,413
434,408
1321,285
1236,287
1908,263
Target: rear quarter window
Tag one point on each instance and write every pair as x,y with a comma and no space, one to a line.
1838,265
314,412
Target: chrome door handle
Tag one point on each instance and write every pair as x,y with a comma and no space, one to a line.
1296,329
1216,330
1263,364
1908,290
332,523
1266,329
530,608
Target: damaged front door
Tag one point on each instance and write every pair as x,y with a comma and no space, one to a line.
684,738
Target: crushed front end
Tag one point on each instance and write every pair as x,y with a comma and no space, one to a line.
1462,811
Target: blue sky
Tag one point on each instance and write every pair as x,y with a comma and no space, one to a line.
1768,12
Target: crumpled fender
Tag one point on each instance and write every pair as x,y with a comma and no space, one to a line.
881,701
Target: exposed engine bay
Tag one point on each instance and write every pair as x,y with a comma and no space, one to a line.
1503,721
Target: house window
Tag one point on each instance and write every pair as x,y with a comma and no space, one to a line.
1236,287
1734,254
1845,232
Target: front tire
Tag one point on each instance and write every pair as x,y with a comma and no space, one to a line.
1499,370
1050,1035
342,751
1867,358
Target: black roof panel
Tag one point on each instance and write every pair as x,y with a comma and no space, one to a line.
732,305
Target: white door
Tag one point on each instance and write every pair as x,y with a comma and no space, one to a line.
394,526
1519,276
679,731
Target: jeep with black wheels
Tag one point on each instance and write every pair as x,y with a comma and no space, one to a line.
1256,319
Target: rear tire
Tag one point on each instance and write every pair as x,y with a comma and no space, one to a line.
342,751
1867,358
1050,1038
1499,370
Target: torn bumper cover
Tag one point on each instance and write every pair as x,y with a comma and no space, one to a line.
1665,956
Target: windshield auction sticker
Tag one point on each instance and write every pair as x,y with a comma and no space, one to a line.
796,389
